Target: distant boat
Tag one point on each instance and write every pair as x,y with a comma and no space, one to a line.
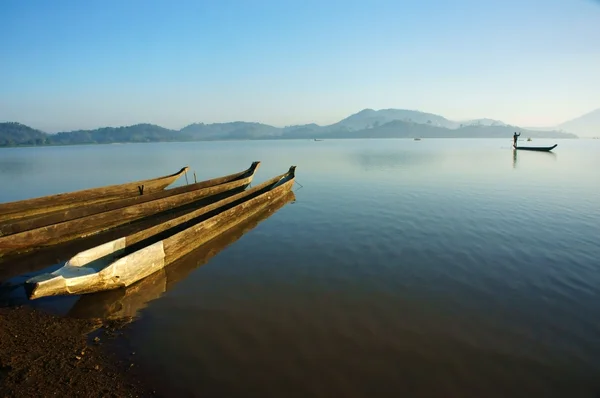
536,148
528,139
317,139
417,139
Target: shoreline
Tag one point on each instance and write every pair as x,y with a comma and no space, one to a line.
43,354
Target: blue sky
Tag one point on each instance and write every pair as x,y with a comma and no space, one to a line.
83,64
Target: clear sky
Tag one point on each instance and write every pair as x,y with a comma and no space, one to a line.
84,64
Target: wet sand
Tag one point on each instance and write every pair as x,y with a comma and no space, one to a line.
46,355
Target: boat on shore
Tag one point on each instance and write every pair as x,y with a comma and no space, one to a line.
125,303
28,223
74,199
536,148
129,259
37,238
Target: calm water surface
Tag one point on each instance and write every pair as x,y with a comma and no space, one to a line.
423,268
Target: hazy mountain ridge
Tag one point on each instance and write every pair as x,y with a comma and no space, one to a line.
586,125
368,123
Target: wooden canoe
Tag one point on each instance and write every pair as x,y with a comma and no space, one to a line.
536,148
66,200
22,265
34,239
127,302
124,261
38,221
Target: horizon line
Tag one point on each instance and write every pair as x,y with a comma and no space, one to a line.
550,128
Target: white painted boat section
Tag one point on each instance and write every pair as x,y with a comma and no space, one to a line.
95,253
99,273
136,266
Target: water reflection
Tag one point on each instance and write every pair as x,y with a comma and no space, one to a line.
15,167
392,160
539,155
124,303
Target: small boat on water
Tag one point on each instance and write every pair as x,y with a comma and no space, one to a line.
45,204
27,223
47,235
127,302
129,259
536,148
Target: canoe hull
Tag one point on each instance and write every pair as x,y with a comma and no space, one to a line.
49,235
127,302
29,223
45,204
536,148
88,272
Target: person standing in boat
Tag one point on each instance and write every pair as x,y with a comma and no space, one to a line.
515,136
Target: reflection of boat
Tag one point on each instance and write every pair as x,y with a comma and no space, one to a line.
67,200
36,238
28,223
126,302
536,148
124,261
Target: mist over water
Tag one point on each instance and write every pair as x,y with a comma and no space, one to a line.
424,268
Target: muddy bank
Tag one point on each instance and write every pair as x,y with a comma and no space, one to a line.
45,355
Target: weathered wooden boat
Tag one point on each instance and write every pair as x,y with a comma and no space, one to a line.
27,223
125,303
20,266
124,261
66,200
34,239
536,148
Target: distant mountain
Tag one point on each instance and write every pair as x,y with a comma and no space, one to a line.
483,122
368,123
587,125
369,118
229,131
12,134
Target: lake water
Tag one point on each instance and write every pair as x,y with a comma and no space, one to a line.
401,268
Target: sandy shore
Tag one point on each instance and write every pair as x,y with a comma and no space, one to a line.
46,355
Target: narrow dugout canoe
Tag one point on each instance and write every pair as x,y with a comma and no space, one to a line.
45,204
129,259
127,302
28,223
536,148
37,238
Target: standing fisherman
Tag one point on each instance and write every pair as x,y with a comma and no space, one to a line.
515,136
